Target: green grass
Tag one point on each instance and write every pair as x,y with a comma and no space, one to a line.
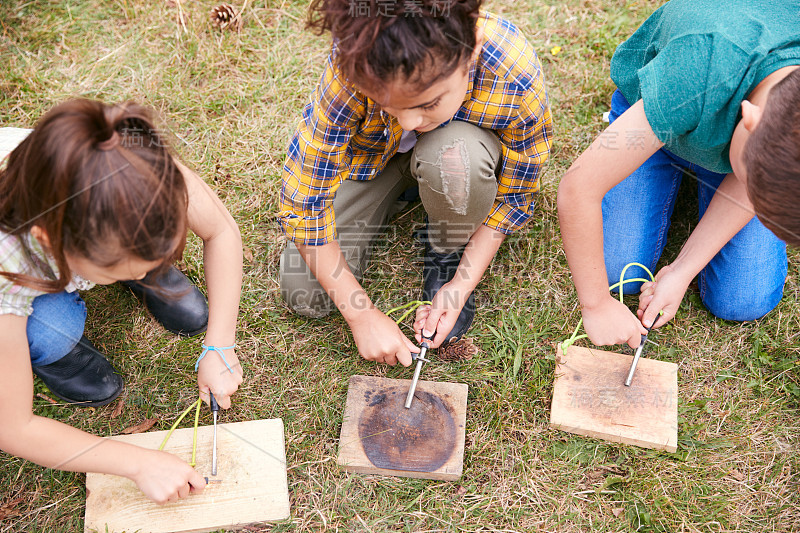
230,102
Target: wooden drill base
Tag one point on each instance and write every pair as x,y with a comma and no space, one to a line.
380,436
251,464
590,398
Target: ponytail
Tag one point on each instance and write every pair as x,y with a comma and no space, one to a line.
101,183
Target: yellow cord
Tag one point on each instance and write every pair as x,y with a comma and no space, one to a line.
622,281
410,307
194,438
178,421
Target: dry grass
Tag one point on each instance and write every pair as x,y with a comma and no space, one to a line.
230,102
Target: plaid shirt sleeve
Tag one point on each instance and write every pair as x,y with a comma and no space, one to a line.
509,96
14,299
525,148
318,160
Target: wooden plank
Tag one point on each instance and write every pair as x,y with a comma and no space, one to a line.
380,436
590,398
251,463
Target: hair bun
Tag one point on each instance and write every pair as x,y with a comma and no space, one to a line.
110,143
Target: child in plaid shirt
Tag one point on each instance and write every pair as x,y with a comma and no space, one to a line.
425,94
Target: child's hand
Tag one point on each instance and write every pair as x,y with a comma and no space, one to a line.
165,478
611,322
379,339
663,295
442,315
420,318
214,376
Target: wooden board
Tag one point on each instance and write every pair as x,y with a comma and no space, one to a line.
380,436
251,464
590,398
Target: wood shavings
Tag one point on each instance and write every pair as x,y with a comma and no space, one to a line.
46,398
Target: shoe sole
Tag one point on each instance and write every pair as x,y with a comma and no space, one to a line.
98,403
182,333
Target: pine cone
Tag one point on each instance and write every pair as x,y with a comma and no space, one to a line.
461,350
224,16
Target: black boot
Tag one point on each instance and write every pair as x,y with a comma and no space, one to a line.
83,376
174,301
438,269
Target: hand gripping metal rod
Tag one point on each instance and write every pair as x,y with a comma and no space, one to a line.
636,357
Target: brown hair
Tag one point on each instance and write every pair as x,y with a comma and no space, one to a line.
101,183
772,158
419,41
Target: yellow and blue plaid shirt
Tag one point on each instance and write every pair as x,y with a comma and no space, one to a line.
345,135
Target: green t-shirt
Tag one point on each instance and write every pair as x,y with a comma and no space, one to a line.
694,61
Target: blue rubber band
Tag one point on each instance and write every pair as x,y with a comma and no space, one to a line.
220,350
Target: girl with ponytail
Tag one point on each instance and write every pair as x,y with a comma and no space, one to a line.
92,195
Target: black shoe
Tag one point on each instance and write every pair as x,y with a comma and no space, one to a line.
83,376
410,195
174,301
438,269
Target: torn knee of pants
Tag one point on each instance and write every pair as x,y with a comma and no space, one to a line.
454,168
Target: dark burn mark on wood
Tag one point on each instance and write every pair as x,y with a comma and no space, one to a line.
419,439
376,399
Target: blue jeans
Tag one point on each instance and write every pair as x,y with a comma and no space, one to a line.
744,281
55,326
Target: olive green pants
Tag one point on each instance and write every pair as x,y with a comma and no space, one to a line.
455,169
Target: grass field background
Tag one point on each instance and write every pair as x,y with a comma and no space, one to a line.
230,102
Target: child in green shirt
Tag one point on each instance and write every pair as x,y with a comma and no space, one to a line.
695,85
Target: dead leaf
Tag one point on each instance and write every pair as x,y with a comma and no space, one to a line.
604,476
140,428
596,474
118,408
617,511
9,508
615,470
248,254
738,476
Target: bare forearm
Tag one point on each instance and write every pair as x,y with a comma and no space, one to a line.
55,445
581,220
222,259
161,476
377,336
581,192
478,254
